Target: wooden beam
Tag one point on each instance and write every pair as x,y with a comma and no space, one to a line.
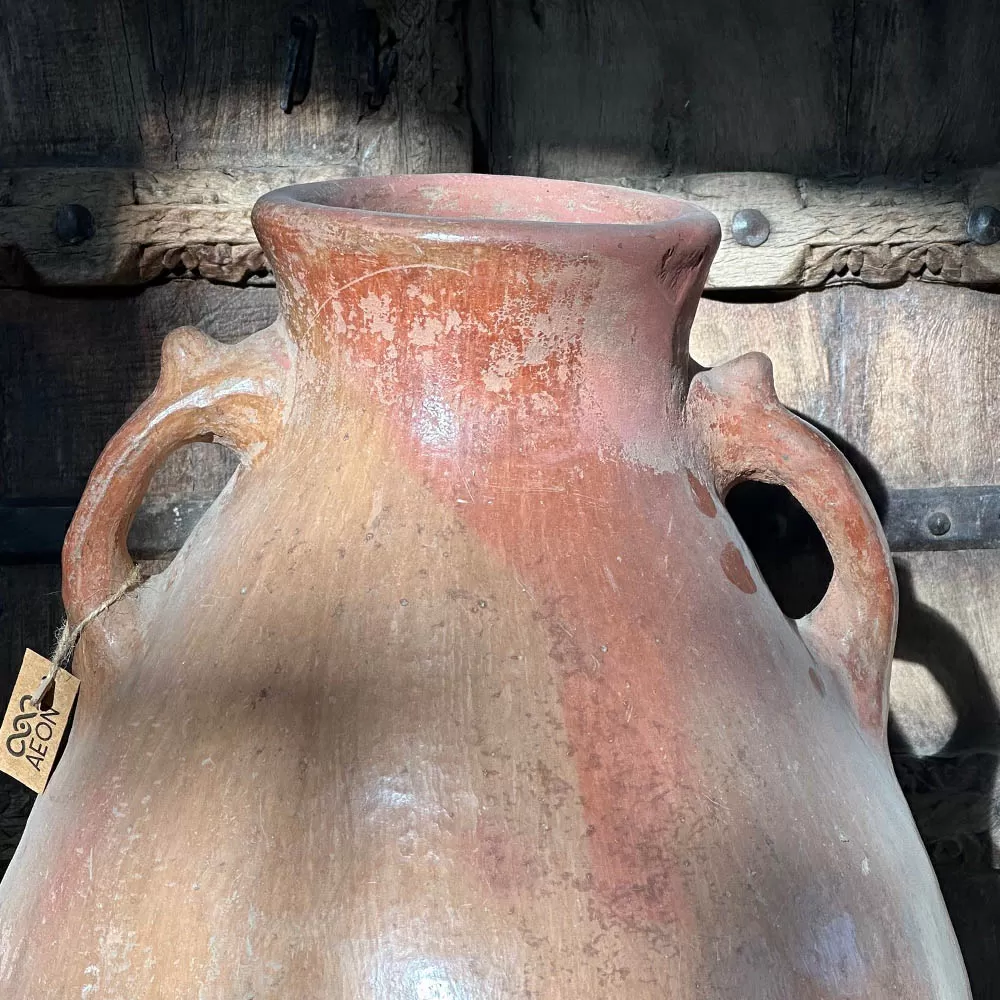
151,224
148,224
827,232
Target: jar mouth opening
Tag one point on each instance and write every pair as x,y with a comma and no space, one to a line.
494,199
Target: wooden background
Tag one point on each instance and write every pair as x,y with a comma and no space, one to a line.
865,129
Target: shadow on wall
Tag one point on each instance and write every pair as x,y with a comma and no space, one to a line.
950,791
945,749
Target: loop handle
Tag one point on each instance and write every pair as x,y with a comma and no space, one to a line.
751,436
207,391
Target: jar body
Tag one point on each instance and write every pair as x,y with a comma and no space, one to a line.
467,686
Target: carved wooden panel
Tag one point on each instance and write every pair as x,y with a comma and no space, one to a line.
150,224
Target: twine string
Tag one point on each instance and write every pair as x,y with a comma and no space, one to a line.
67,637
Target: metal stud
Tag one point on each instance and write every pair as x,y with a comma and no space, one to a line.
73,224
750,227
983,225
938,523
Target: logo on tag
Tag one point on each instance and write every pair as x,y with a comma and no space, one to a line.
31,735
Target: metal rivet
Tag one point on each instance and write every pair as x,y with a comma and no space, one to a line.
73,224
750,227
983,226
938,523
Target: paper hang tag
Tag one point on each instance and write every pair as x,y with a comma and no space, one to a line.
30,737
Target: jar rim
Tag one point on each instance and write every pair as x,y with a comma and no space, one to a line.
463,206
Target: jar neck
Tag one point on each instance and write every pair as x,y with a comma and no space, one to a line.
479,349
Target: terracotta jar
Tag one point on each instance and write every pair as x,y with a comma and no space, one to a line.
467,687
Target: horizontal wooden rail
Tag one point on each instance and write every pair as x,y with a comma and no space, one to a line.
122,226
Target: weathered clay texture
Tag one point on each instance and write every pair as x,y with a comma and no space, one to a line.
467,686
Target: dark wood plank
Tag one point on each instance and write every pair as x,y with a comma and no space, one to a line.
72,369
597,89
813,87
123,82
30,615
924,87
67,88
973,900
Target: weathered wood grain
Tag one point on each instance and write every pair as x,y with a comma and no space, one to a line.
199,85
155,223
72,370
595,89
815,88
924,87
873,232
906,376
946,678
576,88
946,725
147,222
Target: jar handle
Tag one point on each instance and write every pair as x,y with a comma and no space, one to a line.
751,436
207,391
